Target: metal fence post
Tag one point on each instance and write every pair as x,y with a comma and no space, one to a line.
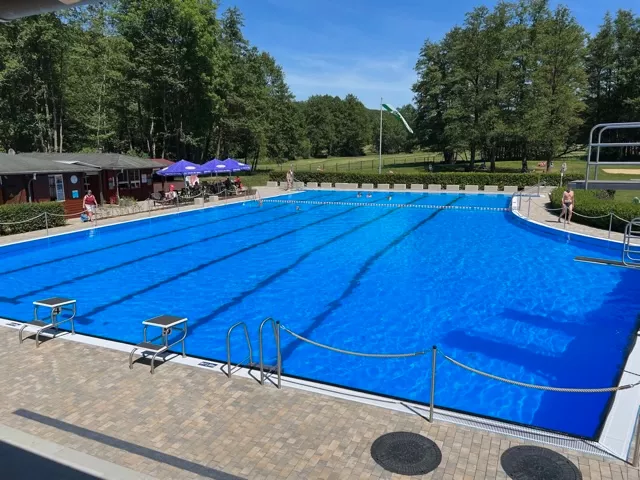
433,382
279,359
46,222
529,208
636,450
610,223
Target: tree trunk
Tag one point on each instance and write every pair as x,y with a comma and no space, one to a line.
219,143
492,157
472,160
525,164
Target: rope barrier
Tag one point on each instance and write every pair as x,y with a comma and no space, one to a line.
586,216
23,221
350,352
463,366
67,214
540,387
387,205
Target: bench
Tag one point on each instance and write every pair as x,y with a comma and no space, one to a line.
471,188
453,188
510,189
434,187
417,186
491,188
399,186
383,186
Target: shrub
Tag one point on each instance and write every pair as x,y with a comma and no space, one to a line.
446,178
23,212
589,203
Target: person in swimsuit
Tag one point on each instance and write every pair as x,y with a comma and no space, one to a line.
89,204
567,205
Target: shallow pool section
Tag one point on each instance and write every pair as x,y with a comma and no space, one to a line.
450,270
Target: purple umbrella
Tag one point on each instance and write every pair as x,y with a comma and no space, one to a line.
236,166
182,167
215,167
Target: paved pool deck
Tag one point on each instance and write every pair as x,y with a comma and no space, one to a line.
539,212
190,423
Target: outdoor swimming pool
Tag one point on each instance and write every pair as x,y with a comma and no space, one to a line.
380,279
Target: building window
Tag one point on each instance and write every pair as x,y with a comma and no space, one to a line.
56,188
134,178
87,185
123,180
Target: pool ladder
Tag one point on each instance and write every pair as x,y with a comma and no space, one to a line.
631,244
248,362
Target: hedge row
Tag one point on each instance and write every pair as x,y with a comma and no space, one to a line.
446,178
22,212
597,203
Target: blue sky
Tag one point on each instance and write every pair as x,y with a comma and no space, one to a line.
366,47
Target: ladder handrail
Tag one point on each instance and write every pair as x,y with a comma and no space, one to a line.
629,249
246,334
276,333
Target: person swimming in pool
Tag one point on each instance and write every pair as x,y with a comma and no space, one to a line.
369,195
359,195
389,197
568,200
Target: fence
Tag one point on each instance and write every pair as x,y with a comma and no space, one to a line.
364,164
435,351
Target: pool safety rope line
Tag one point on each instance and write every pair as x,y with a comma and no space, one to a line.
349,352
462,365
539,387
388,205
24,221
576,213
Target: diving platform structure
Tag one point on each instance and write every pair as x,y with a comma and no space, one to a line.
598,145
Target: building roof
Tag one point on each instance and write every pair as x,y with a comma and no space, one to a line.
11,164
163,162
103,161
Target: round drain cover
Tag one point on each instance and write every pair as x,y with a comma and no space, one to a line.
526,462
406,453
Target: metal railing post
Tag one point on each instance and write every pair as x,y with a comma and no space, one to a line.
636,450
46,222
529,208
610,224
433,382
279,364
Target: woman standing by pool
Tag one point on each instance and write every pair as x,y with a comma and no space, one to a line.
89,204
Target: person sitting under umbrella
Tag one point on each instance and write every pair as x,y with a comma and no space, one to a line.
238,182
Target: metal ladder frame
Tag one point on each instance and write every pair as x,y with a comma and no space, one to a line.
630,250
246,335
278,368
263,375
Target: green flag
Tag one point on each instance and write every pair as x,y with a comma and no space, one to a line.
398,115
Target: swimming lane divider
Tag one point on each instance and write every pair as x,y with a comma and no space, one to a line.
135,240
355,280
178,276
274,276
139,259
390,205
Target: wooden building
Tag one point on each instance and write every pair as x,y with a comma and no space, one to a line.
114,176
26,179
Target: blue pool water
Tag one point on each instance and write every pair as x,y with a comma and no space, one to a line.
474,282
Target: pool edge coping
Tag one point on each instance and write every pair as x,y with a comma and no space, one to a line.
489,425
619,427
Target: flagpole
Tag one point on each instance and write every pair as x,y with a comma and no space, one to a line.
380,146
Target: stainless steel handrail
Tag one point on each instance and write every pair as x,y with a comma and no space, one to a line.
631,250
246,334
276,334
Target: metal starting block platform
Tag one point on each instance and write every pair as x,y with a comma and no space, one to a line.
56,306
166,323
